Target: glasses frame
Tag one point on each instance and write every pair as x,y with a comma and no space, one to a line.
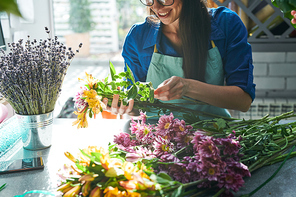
158,2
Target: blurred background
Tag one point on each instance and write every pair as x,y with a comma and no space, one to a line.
101,25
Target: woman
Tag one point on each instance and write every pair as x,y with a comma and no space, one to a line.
192,52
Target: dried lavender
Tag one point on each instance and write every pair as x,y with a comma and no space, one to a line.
32,73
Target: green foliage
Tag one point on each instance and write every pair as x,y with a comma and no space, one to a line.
10,7
80,19
125,86
286,6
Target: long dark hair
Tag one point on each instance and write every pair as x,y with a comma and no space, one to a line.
195,28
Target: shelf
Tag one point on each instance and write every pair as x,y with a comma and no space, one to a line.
269,30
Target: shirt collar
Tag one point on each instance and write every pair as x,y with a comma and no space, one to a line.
153,34
216,32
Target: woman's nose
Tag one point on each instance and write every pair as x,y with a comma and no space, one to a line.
156,5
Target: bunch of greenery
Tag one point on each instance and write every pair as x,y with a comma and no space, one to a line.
286,6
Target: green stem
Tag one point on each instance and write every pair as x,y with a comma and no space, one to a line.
219,192
2,187
270,178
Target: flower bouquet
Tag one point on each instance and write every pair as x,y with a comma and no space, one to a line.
88,99
32,74
173,158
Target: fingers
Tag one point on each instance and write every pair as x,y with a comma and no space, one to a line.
114,109
130,106
114,105
105,101
170,89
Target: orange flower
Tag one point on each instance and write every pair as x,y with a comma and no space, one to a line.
94,101
128,169
81,119
90,80
114,192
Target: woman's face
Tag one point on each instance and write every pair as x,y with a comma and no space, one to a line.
167,14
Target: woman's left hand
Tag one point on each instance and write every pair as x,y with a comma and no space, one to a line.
172,88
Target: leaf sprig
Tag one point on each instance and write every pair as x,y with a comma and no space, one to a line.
125,86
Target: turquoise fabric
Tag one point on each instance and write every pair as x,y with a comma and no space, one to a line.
163,67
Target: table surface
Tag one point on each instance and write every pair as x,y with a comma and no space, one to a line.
99,133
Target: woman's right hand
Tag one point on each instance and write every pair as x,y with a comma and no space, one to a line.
123,109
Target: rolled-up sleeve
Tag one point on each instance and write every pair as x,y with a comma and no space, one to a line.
238,63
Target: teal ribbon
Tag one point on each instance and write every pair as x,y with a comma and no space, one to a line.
36,191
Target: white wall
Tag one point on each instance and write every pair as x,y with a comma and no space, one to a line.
41,10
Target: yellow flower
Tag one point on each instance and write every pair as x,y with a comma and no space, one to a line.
128,169
114,192
73,192
96,192
81,120
90,80
129,185
94,101
89,94
133,194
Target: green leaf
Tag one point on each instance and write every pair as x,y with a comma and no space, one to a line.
87,155
220,124
131,75
178,191
151,94
112,71
97,156
132,93
165,176
10,7
113,85
284,5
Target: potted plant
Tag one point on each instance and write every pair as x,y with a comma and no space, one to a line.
81,23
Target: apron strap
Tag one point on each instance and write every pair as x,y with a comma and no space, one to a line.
155,49
213,44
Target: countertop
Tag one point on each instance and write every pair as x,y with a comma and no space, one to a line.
100,132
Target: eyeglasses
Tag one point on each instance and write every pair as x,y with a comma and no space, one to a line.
162,2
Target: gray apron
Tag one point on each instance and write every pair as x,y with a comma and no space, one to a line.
163,67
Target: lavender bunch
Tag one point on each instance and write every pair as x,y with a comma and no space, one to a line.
32,73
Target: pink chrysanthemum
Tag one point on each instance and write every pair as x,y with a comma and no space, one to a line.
165,124
142,131
79,102
237,167
162,146
124,139
231,181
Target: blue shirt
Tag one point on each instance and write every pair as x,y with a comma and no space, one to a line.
228,33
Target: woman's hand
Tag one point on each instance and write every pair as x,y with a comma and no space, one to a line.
172,88
114,109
